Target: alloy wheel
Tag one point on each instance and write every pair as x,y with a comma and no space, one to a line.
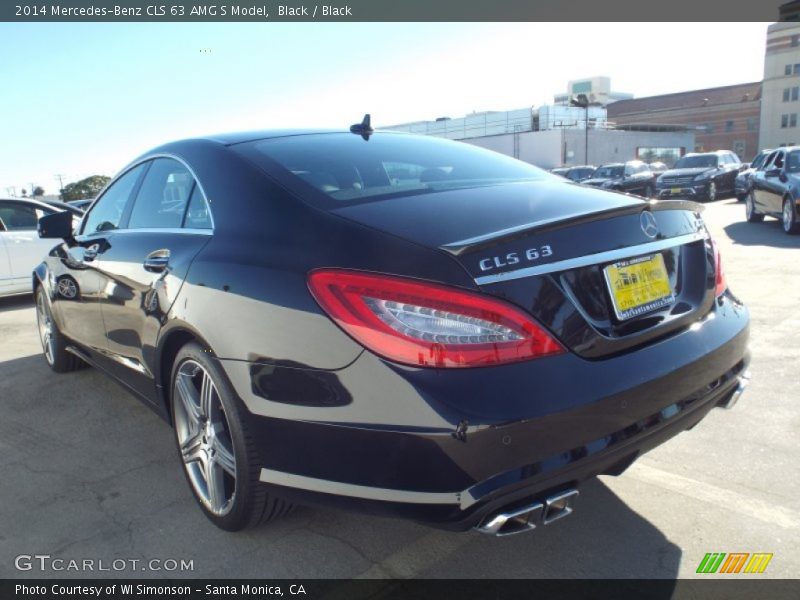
788,217
204,437
45,324
748,207
712,191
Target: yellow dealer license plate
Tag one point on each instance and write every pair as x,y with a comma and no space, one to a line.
638,286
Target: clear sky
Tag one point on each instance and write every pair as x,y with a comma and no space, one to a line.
83,99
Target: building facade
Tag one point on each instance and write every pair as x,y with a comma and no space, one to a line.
723,118
597,89
780,102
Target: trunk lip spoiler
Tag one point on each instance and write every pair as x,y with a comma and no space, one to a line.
504,235
595,258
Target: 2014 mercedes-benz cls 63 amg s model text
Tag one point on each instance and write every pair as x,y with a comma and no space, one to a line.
390,323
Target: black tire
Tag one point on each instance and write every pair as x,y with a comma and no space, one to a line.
789,216
54,344
249,503
741,197
750,212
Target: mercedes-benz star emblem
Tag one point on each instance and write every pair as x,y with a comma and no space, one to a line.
648,223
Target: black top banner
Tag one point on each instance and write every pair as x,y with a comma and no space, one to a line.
156,11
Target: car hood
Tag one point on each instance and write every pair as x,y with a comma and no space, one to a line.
599,180
443,218
684,172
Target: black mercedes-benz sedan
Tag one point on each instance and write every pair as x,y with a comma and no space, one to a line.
390,323
633,177
775,190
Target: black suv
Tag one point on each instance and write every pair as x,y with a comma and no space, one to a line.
634,177
701,176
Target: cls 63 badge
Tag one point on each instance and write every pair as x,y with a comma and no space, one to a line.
515,258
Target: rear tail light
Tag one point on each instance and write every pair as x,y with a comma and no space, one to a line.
721,283
426,324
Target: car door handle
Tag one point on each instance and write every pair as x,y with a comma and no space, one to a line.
157,261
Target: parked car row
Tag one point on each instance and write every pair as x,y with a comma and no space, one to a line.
773,189
696,176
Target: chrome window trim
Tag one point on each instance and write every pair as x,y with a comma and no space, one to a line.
162,230
591,259
135,164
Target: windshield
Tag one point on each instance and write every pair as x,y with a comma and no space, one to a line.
576,174
758,160
349,169
610,172
696,162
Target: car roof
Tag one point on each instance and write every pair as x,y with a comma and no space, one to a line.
240,137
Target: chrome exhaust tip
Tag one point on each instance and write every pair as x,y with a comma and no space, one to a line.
524,519
510,523
744,380
559,506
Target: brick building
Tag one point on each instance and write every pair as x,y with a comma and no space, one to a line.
724,118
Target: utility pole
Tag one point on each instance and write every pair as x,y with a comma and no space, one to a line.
60,178
582,101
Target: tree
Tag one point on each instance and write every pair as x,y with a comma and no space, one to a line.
85,188
24,193
38,191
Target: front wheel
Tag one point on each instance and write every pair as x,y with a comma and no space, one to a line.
750,212
54,344
789,220
219,457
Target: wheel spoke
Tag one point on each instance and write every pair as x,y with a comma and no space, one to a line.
191,448
189,400
215,480
207,392
224,458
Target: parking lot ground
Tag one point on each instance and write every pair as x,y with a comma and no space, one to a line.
86,472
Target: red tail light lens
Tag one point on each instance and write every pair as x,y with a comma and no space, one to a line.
426,324
721,283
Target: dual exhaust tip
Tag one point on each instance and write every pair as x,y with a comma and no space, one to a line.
527,518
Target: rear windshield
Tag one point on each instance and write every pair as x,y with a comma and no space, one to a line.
348,169
693,162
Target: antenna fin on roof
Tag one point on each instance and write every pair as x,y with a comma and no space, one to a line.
364,129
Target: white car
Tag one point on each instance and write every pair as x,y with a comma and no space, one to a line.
21,249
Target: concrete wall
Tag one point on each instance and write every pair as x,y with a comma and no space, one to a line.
540,148
548,149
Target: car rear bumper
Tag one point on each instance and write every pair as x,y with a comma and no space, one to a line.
451,447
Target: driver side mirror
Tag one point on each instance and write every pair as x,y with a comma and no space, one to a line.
57,225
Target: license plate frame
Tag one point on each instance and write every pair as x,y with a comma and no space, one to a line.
654,293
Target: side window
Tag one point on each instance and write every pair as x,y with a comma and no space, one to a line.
198,215
107,211
777,163
17,217
162,199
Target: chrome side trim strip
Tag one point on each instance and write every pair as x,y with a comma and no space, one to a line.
339,488
591,259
